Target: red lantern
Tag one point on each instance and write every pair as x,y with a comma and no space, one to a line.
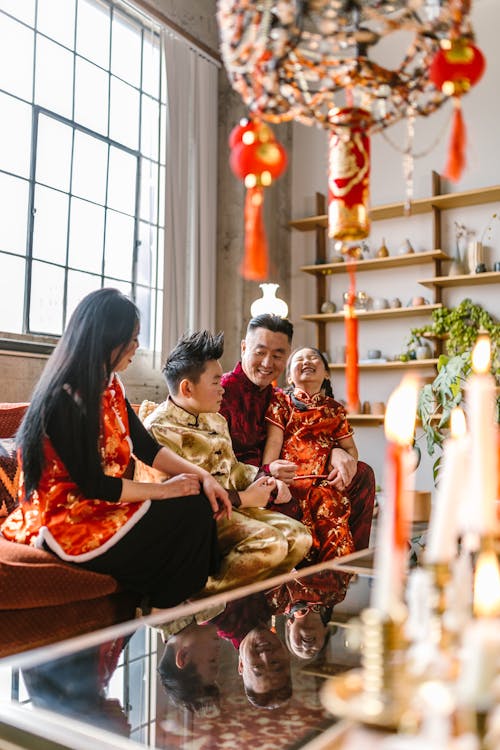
257,158
457,66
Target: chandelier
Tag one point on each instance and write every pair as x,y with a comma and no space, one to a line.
312,61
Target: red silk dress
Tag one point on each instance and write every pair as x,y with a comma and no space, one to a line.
309,434
75,527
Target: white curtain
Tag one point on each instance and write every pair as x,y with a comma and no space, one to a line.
190,191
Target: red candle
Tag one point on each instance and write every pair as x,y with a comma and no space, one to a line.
351,340
392,532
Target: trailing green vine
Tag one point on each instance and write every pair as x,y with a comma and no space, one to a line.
460,326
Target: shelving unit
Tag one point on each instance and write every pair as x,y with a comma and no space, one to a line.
411,364
420,206
322,269
471,279
396,312
377,264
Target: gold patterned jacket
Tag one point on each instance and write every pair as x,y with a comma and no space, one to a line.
204,440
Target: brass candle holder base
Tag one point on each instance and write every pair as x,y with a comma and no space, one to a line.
377,694
441,575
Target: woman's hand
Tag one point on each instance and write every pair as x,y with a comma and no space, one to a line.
258,493
283,470
181,485
217,497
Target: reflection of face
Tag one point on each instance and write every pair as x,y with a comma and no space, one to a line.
263,663
203,650
263,356
127,354
306,635
206,394
307,370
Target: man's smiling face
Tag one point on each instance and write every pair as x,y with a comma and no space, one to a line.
263,356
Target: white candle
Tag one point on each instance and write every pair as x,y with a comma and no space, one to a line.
392,532
481,412
441,545
480,659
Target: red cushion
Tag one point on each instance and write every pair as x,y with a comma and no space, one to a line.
9,476
32,577
10,418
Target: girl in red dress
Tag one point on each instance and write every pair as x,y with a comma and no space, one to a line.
305,424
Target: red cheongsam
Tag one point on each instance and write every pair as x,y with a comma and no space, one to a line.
308,438
75,527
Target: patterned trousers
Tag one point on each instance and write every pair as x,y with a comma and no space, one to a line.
255,544
361,493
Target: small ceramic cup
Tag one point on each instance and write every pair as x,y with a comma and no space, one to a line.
328,307
379,303
374,353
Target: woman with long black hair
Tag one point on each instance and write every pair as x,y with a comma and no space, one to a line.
76,443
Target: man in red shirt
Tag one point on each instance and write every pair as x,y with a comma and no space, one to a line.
247,393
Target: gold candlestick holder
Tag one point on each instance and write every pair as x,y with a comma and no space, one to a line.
379,693
441,576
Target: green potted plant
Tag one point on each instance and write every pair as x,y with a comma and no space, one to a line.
459,327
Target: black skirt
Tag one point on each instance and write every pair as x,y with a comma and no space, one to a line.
169,553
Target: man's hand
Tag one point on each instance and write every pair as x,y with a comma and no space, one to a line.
343,468
283,470
217,497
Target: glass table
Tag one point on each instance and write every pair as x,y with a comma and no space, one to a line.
236,670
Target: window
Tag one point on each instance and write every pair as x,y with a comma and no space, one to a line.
82,161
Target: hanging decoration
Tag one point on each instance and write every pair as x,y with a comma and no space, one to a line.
349,173
257,158
457,66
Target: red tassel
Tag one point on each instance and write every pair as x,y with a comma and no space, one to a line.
456,149
351,338
255,263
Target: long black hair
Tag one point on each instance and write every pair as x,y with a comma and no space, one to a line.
104,321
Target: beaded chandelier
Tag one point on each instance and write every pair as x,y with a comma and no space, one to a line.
311,61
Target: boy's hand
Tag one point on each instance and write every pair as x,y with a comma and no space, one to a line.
258,493
283,470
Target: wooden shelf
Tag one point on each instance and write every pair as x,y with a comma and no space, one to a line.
366,420
377,264
391,365
471,279
396,312
419,206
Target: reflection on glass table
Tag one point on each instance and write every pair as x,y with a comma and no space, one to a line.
219,673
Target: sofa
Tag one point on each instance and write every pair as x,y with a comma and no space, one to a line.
42,599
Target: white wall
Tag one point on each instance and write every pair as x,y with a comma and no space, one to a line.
481,108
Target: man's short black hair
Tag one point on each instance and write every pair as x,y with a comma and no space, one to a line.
189,357
273,323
